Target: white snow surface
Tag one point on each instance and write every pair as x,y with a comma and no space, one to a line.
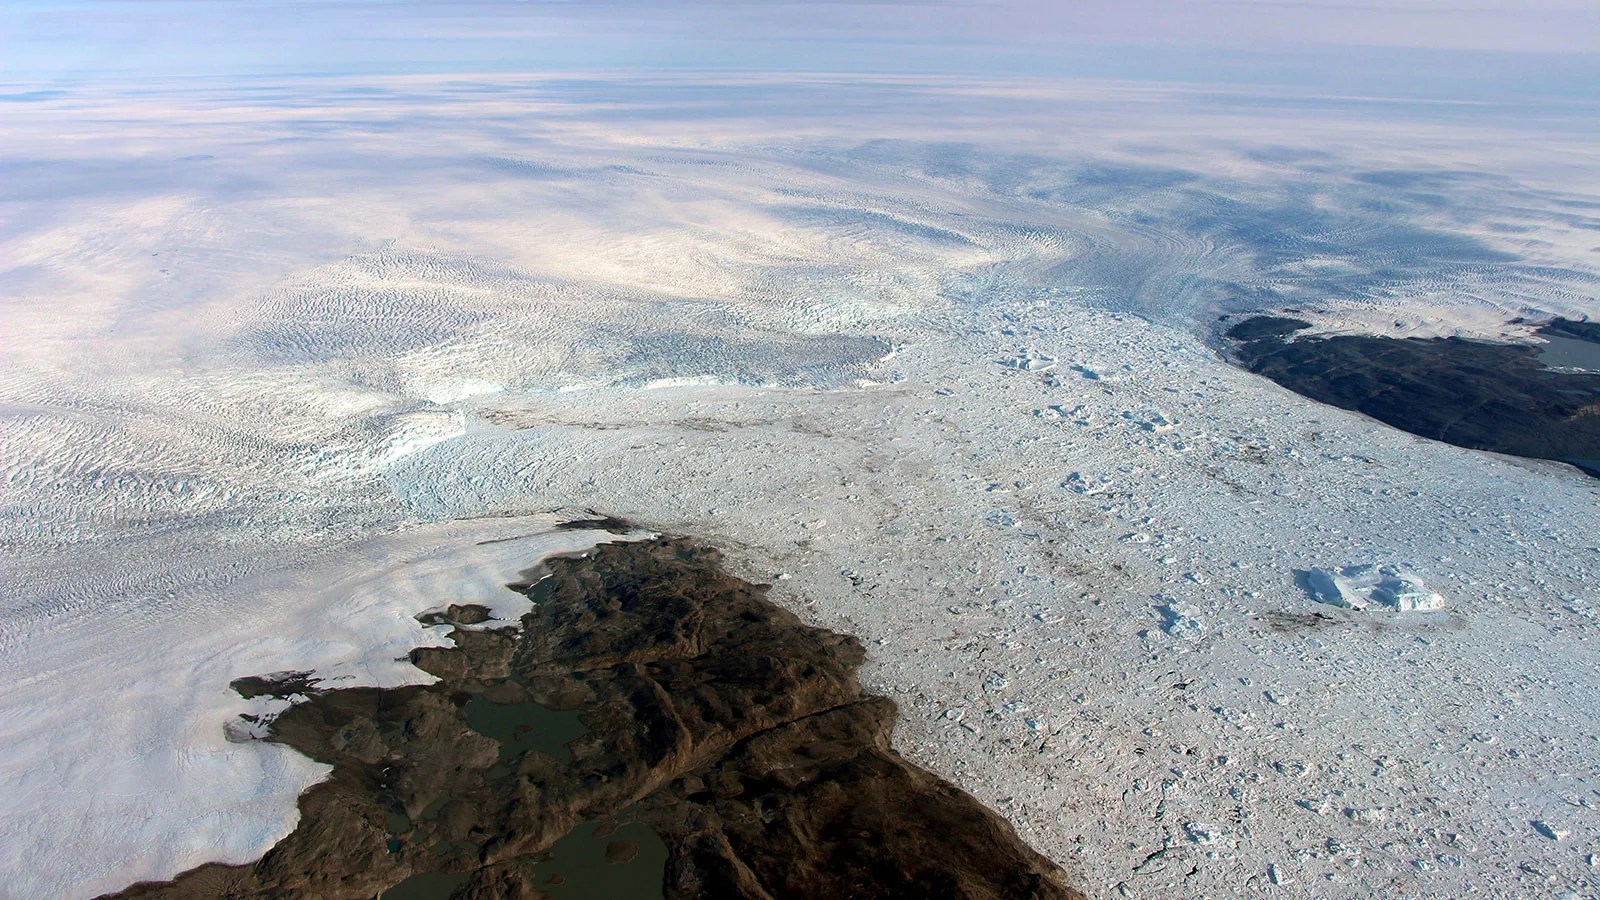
272,371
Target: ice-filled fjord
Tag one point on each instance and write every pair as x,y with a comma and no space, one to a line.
950,382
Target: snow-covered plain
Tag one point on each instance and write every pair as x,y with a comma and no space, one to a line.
277,356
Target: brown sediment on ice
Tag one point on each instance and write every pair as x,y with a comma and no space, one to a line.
654,728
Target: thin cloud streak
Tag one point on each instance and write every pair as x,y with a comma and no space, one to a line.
45,39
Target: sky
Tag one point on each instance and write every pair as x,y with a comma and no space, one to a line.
1537,46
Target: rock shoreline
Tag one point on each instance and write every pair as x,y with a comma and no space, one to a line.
654,728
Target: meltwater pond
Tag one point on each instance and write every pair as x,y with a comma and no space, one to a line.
521,727
1561,352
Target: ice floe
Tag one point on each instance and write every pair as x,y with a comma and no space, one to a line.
1360,586
1181,620
1030,360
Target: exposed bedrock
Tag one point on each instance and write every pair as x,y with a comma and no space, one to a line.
1475,394
654,728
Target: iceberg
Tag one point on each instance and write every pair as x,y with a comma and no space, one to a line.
1359,586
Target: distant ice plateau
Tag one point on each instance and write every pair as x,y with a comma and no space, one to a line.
947,375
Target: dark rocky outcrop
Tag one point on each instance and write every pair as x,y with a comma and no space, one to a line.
654,728
281,685
454,614
1583,331
1476,394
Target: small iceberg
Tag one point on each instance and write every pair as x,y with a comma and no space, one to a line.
1151,419
1030,360
1357,587
1181,620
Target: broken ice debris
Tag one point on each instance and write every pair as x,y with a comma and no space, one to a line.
1030,360
1097,373
1357,587
1366,815
1079,483
1150,419
1548,830
1182,621
1001,518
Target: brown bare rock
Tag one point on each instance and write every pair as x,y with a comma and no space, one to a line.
654,728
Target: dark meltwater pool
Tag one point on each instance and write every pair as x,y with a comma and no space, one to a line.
1570,353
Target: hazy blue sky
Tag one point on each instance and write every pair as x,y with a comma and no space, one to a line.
1537,45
